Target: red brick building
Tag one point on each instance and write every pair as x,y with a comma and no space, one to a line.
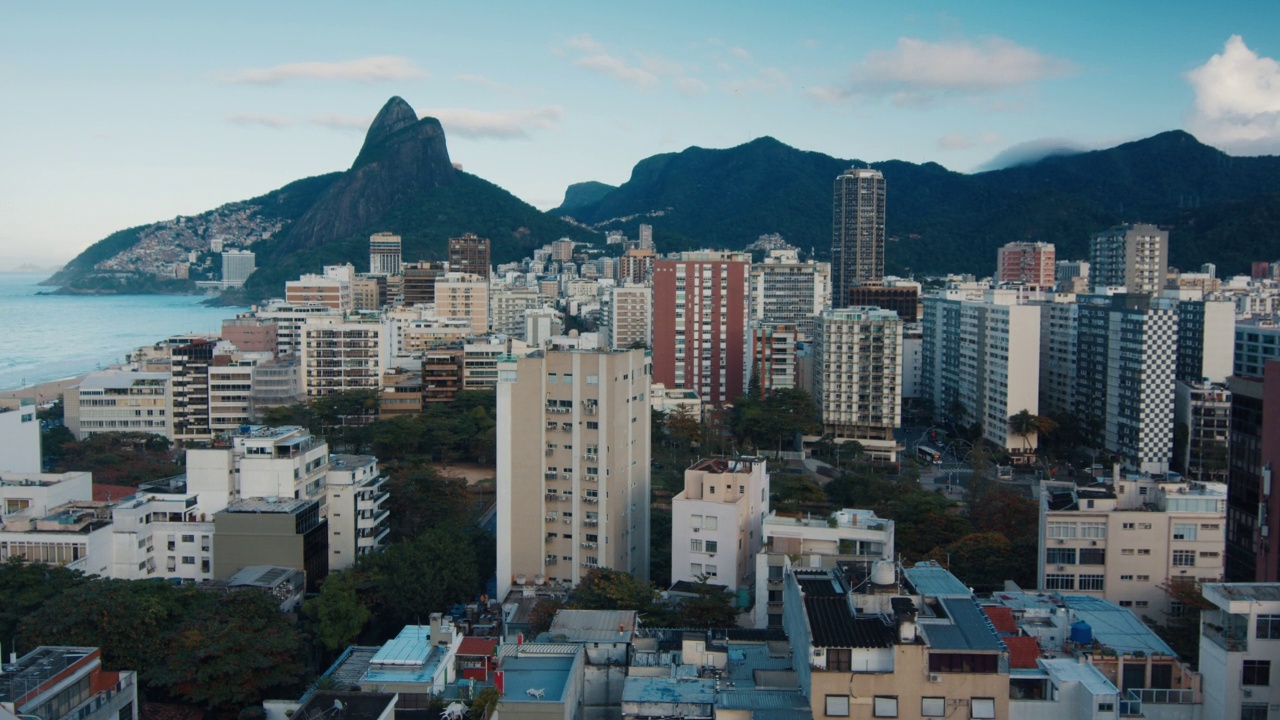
700,323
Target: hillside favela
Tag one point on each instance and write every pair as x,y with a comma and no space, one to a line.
751,431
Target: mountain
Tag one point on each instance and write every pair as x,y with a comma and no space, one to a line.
402,181
1219,208
584,193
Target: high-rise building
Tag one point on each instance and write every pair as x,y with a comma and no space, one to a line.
419,283
789,292
636,267
1206,340
1257,342
981,363
1135,257
562,250
773,355
1253,506
121,401
339,355
586,503
700,323
1031,264
469,254
1059,325
288,319
715,521
464,296
190,362
369,292
857,375
646,237
903,299
237,266
332,289
1127,352
858,236
627,317
384,254
1071,276
508,305
1204,409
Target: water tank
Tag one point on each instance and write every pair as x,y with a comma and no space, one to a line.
1081,633
882,572
521,579
844,518
539,579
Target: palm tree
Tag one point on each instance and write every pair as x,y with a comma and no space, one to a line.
1023,424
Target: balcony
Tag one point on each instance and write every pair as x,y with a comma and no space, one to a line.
590,523
589,406
552,496
551,517
551,559
590,455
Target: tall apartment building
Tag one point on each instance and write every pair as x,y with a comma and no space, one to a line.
359,521
562,250
252,334
785,291
1253,510
1134,256
230,393
1071,276
418,283
627,317
903,299
981,363
716,521
1030,264
636,266
288,319
339,355
19,438
857,372
1206,340
369,292
469,254
1256,343
1204,409
1127,539
857,241
773,356
1127,357
1238,650
260,462
1059,326
700,323
332,289
464,296
189,364
120,401
237,266
586,503
384,254
507,308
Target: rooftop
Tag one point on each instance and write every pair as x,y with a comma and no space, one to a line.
669,690
1071,670
833,625
726,465
1257,592
1116,627
38,667
268,505
594,625
345,705
968,629
536,678
118,379
932,580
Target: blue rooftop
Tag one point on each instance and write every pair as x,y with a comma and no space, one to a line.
546,675
932,580
969,629
1116,627
669,690
407,658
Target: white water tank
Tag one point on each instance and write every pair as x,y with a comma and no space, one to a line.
521,579
882,573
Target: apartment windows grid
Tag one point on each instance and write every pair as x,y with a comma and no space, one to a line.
1255,673
1092,582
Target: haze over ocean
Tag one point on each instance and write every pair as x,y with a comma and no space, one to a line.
47,337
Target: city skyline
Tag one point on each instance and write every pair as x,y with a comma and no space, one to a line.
131,116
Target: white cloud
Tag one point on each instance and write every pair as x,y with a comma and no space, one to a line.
641,71
768,80
918,72
586,44
618,69
341,122
1237,103
740,52
370,69
506,125
332,121
959,141
260,119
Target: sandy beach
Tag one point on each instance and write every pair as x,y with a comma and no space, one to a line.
42,393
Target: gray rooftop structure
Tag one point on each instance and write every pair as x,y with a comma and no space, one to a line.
932,580
1116,627
594,625
268,505
1258,592
969,628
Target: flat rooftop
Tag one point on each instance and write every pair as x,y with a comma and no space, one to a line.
119,379
536,679
932,580
594,625
347,462
32,670
726,465
1257,592
268,505
346,705
669,690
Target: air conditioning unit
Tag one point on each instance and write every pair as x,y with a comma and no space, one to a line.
1246,693
935,677
697,529
1061,541
1093,543
1061,568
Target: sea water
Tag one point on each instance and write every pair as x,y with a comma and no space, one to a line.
48,337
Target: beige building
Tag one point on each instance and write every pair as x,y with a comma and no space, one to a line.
627,317
715,521
464,296
332,289
573,466
121,401
858,377
1127,538
358,515
339,355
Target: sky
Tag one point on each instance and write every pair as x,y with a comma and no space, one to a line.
120,114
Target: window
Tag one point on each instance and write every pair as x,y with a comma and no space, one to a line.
1106,707
1093,556
593,425
982,708
712,545
712,523
839,660
188,538
1126,577
188,560
1126,526
1268,627
711,571
1091,582
1093,530
695,545
695,569
1060,556
1144,551
885,706
1126,551
1061,529
1185,531
1256,672
1184,558
1059,582
933,707
837,706
1253,711
695,521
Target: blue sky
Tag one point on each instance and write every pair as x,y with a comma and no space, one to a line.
121,114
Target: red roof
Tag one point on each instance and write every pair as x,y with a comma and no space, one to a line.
1023,652
1002,618
103,492
478,646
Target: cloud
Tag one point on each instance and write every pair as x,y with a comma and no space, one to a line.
618,69
918,72
341,122
1237,100
260,119
332,121
958,141
642,71
1031,151
506,125
366,70
768,80
740,52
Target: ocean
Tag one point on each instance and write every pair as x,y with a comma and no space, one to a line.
49,337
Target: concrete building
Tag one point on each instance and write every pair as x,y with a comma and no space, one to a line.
418,284
276,382
1126,361
120,401
636,267
982,363
237,266
272,531
1239,648
903,299
773,355
162,531
369,292
1253,510
1126,539
912,361
858,235
58,682
1206,340
626,317
332,289
1256,343
1072,276
543,681
1059,328
189,362
339,355
586,504
260,462
230,387
1204,410
1029,264
785,291
288,319
251,334
700,323
507,308
359,521
464,296
76,534
20,439
35,493
1134,257
470,254
562,250
542,325
716,522
848,536
858,377
384,254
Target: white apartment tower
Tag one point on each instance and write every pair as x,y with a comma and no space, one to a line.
716,521
384,254
858,376
237,266
339,355
573,466
788,292
981,363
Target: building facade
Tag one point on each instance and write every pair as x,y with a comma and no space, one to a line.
358,518
384,254
627,317
858,235
469,254
1134,257
857,374
464,296
773,356
121,401
785,291
716,522
340,355
700,323
1030,264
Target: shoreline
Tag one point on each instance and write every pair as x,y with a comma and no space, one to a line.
45,392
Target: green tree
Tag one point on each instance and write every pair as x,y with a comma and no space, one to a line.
981,560
231,654
543,612
603,589
684,428
26,587
337,612
1022,424
710,607
419,499
427,574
